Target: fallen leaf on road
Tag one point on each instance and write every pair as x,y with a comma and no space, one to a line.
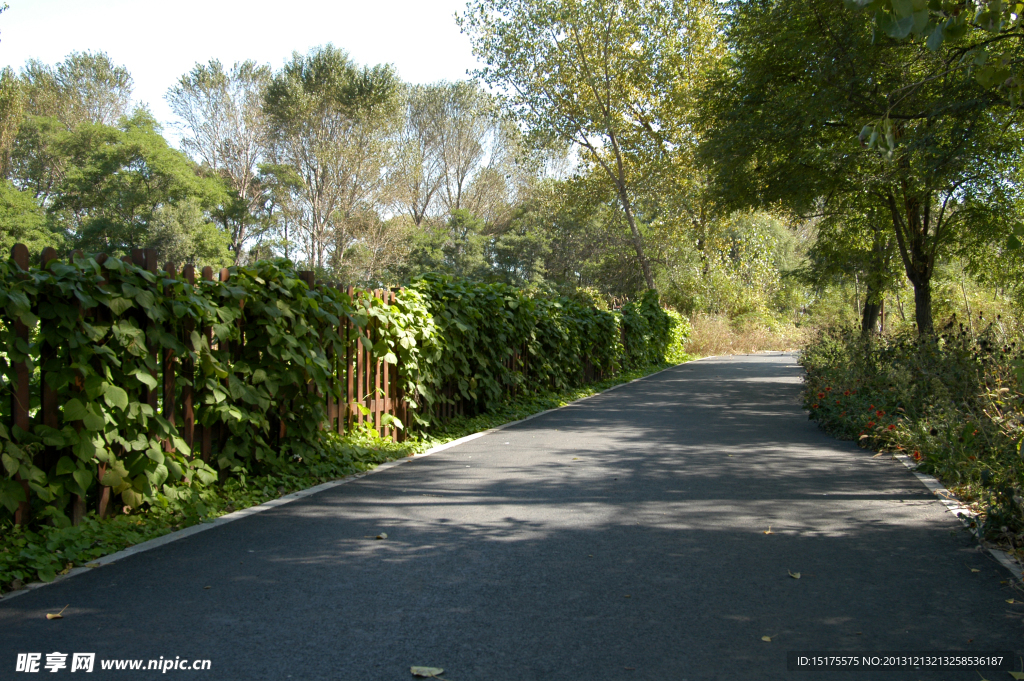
975,570
1017,675
626,596
428,672
384,535
207,587
575,458
769,530
1010,601
58,616
93,565
766,638
794,575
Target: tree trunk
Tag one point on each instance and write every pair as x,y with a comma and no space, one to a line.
917,253
619,177
923,307
874,283
638,242
869,320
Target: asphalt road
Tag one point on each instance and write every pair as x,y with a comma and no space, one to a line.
622,537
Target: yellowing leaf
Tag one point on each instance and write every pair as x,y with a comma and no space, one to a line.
57,616
1017,675
426,671
1010,601
975,570
769,530
382,535
766,638
794,575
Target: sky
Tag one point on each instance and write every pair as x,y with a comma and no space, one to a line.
160,41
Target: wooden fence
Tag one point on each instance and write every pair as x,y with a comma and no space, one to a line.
359,378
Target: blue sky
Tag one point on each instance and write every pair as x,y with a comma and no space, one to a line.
159,41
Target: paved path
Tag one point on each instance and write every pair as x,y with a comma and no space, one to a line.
622,537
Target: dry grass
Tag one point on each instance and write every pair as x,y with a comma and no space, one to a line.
717,335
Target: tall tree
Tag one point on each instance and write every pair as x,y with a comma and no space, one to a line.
419,174
86,87
785,116
330,120
118,178
222,114
12,107
602,75
465,119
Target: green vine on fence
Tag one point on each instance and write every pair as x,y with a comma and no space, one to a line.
261,353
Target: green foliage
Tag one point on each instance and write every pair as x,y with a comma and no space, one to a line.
262,376
117,178
23,221
182,234
983,36
43,552
679,333
557,342
97,328
954,403
647,332
782,128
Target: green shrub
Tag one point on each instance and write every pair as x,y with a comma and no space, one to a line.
952,402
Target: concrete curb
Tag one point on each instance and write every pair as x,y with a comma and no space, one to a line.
295,496
963,513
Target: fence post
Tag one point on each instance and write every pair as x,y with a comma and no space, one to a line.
207,443
101,469
361,371
146,259
168,369
188,370
20,393
48,396
350,373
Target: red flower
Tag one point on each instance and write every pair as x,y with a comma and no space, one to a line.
846,394
814,406
871,407
972,458
879,413
892,427
871,424
828,390
917,455
821,395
